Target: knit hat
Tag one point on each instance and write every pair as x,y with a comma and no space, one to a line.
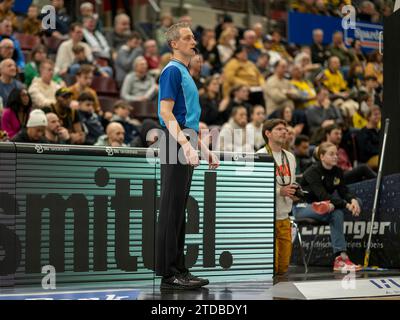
37,118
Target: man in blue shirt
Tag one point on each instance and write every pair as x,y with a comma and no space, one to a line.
179,112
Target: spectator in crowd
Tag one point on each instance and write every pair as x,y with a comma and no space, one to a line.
333,134
6,49
278,46
278,91
69,117
114,136
35,129
87,10
8,81
126,55
263,65
224,22
84,79
240,71
322,114
274,132
63,20
368,139
324,181
357,52
65,54
303,59
139,85
38,55
6,13
121,32
152,56
359,117
239,97
44,88
339,49
6,32
95,39
355,78
254,128
290,138
249,42
32,24
274,56
320,52
122,111
210,101
166,20
195,69
333,79
374,67
368,13
81,59
259,31
232,137
294,118
15,115
305,89
226,45
302,153
208,49
55,133
372,89
91,121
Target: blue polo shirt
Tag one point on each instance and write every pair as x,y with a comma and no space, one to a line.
177,84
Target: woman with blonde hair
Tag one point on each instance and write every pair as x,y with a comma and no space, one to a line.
226,44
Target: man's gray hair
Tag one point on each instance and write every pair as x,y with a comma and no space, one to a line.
173,32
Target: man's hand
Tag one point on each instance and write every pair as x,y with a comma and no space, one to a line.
213,161
288,191
63,133
191,156
355,208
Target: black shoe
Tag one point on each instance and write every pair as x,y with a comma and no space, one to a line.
187,275
178,282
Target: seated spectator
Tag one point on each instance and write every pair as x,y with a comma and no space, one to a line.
8,81
303,59
333,134
152,56
263,65
357,52
371,87
226,45
278,91
126,55
91,121
38,55
374,67
114,136
87,10
208,49
195,70
69,117
84,79
44,88
239,97
294,118
148,135
63,20
232,137
368,140
35,129
278,46
55,133
240,71
355,78
249,42
324,181
15,115
339,49
6,49
65,55
6,32
368,13
322,115
95,39
320,52
305,89
259,30
210,101
254,128
80,59
333,80
274,56
289,139
121,114
166,20
6,13
302,153
139,85
121,32
32,24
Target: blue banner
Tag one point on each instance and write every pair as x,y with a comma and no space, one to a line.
301,26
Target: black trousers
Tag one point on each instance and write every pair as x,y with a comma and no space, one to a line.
176,180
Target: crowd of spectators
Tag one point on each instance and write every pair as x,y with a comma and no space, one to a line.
244,77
